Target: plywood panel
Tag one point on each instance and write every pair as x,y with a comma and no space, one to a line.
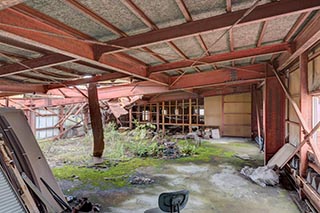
237,119
294,82
239,131
237,108
243,97
292,113
294,134
213,110
314,74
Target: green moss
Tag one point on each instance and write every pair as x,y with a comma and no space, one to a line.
115,176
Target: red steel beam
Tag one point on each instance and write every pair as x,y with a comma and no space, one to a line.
37,63
17,26
220,22
263,50
94,79
22,88
220,76
308,37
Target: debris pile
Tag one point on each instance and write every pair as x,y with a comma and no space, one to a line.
171,150
140,180
263,175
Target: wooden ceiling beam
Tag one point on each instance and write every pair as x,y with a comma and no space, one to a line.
220,77
93,79
219,22
260,38
95,17
306,39
239,54
22,8
36,63
14,26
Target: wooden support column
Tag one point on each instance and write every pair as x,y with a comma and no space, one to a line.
222,116
158,117
190,115
85,119
96,121
183,116
130,118
61,115
306,111
163,121
254,111
274,117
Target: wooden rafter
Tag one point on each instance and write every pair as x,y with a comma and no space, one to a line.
263,50
147,21
260,13
260,38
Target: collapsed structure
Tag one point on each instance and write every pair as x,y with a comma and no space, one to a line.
248,68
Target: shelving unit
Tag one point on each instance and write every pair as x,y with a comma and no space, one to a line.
184,113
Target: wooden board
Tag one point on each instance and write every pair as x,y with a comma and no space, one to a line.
237,131
213,110
237,107
33,153
242,97
237,119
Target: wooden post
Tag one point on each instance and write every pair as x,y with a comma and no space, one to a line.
130,118
163,121
305,107
222,116
158,117
182,116
61,115
190,115
274,117
85,119
7,102
96,121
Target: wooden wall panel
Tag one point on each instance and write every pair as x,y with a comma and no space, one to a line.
237,107
314,73
244,119
213,110
242,97
239,131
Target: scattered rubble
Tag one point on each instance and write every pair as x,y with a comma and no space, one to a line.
264,175
140,180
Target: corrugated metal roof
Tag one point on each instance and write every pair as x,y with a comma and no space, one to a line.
9,201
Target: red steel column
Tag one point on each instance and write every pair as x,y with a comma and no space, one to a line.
306,110
96,121
274,117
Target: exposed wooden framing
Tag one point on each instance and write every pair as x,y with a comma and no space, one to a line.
130,118
158,116
274,117
80,91
94,79
231,44
13,24
306,110
228,6
61,114
296,26
308,37
163,119
96,122
22,8
32,64
222,115
182,115
302,121
67,115
261,35
239,54
221,76
220,22
190,115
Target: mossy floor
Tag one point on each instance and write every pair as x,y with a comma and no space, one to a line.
212,177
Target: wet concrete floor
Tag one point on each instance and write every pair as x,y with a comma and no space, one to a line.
214,187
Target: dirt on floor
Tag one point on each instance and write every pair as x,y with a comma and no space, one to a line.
215,184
